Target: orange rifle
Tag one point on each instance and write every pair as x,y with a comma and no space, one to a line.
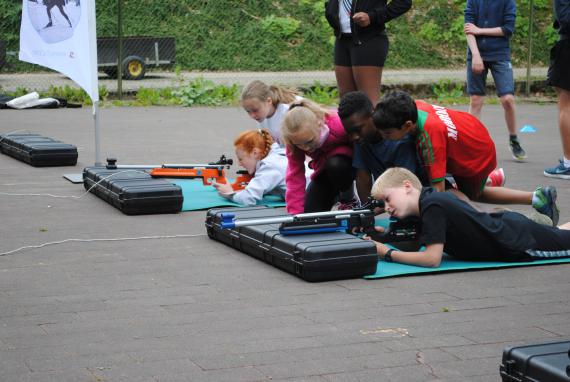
242,180
208,172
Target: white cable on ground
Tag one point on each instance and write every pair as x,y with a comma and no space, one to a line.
88,240
73,196
94,240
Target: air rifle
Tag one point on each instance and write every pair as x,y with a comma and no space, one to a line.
308,223
398,231
213,171
349,221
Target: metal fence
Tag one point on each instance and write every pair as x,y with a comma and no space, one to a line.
138,61
150,62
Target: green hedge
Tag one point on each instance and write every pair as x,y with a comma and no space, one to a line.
292,34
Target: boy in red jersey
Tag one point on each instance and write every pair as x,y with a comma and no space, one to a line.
454,142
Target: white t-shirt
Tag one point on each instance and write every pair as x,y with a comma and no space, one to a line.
273,123
344,15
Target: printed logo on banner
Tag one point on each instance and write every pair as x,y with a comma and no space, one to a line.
54,20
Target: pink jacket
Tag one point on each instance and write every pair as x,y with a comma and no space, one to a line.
336,143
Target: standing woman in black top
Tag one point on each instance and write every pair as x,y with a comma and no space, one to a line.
361,43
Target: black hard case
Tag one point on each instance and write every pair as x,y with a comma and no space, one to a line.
37,150
549,362
312,257
134,192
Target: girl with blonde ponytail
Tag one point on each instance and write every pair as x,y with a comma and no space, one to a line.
263,159
267,104
310,130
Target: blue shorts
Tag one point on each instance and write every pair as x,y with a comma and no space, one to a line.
502,72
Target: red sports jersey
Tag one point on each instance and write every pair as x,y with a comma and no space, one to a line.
454,142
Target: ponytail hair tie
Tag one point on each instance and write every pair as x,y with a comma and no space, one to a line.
296,104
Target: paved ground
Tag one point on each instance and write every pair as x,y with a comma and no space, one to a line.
191,309
409,77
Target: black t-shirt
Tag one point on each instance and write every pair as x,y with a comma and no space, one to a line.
468,234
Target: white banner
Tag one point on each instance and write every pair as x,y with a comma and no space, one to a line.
61,35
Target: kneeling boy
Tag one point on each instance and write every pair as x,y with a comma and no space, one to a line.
454,142
372,155
452,225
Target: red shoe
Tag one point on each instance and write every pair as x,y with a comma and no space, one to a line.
497,178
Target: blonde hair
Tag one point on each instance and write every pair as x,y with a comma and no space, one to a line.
251,139
261,91
392,178
302,114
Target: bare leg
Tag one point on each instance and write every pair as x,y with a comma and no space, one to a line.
508,102
475,105
368,79
565,226
564,119
502,195
344,79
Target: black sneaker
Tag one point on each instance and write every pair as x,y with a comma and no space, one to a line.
516,149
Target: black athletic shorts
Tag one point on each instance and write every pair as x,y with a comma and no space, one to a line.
558,73
372,52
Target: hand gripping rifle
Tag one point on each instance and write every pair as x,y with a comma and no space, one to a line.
397,231
242,180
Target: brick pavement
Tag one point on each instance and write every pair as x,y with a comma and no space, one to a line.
191,309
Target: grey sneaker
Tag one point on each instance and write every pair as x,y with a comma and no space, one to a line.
547,203
516,149
539,218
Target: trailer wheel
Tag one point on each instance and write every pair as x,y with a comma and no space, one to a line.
133,68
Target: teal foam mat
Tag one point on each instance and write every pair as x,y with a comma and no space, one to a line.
384,270
197,196
448,264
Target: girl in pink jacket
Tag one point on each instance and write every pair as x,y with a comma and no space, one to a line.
310,130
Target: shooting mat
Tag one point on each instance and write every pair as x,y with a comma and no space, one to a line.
197,196
448,264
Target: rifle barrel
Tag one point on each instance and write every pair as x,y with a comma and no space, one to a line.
228,219
260,221
138,166
196,165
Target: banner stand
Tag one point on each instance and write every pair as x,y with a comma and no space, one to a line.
78,178
97,143
66,44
